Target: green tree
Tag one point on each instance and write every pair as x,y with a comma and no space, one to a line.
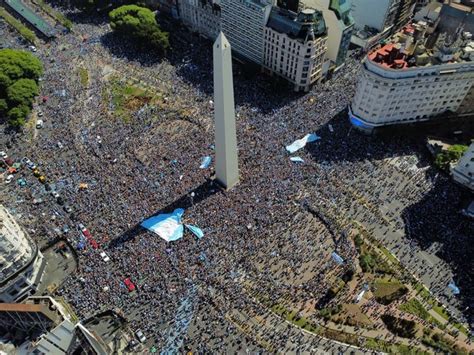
451,155
22,92
5,82
3,106
17,64
17,115
138,23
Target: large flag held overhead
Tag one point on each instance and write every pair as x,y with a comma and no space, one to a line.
167,226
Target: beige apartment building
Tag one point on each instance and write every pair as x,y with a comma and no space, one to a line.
295,46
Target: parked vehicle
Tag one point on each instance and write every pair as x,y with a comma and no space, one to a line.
104,256
140,336
129,284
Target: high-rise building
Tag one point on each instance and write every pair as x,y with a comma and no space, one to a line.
295,46
21,262
415,77
382,15
340,24
243,23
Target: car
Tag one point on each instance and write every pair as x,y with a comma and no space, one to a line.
39,124
8,161
60,201
140,336
86,233
60,145
54,194
40,114
67,209
104,256
9,179
129,284
36,173
42,179
3,155
28,163
32,48
37,201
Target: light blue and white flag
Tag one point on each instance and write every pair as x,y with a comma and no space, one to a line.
167,226
301,143
206,161
195,230
337,258
297,159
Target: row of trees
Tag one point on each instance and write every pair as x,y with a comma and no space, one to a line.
19,74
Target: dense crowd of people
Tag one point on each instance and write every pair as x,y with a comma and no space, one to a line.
259,234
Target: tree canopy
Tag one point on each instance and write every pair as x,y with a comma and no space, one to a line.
22,92
18,64
451,155
19,74
138,23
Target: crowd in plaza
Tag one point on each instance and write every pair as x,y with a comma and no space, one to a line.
136,169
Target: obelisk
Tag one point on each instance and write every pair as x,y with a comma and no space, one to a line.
227,169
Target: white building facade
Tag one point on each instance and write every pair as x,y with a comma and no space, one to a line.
295,46
243,23
21,262
202,16
463,172
394,89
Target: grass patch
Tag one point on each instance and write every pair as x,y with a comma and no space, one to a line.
461,328
128,98
389,255
58,16
442,344
375,344
351,314
24,31
381,345
84,76
388,291
369,260
414,306
441,311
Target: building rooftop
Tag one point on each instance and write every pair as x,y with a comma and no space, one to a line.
44,325
306,25
342,9
413,47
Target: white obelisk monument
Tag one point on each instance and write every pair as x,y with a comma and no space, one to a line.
227,169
